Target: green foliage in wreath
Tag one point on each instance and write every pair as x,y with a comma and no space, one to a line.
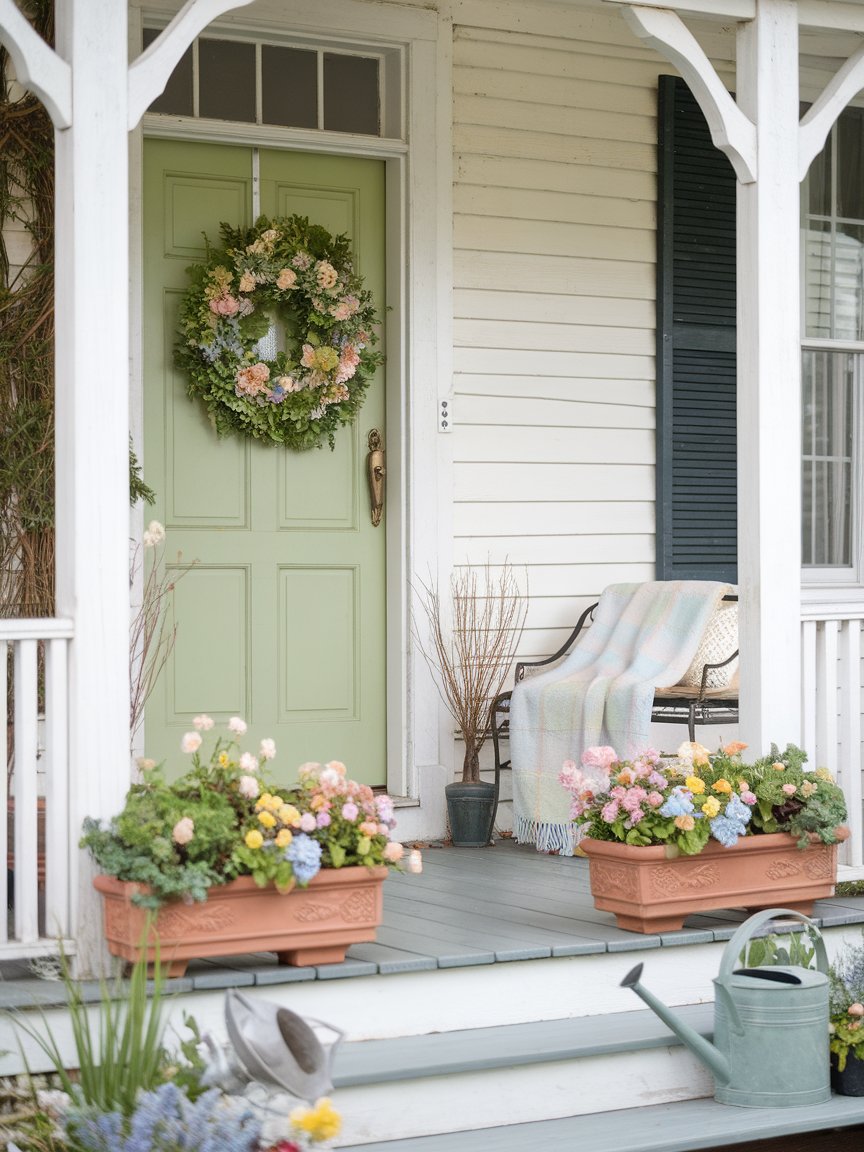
295,275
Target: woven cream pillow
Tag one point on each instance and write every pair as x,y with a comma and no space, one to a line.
718,643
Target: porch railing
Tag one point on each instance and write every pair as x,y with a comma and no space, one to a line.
34,838
831,706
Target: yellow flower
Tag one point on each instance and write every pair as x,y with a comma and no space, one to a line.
778,766
322,1122
274,803
263,801
224,760
284,837
711,807
685,823
288,814
254,839
267,819
824,774
722,786
808,788
695,784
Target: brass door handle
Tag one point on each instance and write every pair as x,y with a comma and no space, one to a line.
375,472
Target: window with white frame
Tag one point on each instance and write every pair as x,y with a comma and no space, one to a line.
833,357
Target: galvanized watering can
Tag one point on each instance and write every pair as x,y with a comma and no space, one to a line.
770,1026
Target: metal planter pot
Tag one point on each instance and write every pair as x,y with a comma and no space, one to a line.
471,812
849,1082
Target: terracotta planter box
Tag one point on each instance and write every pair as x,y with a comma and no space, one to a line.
649,892
314,925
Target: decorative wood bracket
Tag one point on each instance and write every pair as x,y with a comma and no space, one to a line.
732,132
817,122
150,72
37,66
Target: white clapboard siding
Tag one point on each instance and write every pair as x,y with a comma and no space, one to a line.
571,276
621,393
554,274
523,412
520,518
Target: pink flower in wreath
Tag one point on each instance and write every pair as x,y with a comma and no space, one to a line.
345,309
247,281
286,279
252,380
225,305
325,274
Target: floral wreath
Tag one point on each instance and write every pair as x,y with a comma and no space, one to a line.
298,273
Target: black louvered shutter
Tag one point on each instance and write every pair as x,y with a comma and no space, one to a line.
696,458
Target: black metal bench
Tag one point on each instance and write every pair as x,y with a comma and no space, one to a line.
676,705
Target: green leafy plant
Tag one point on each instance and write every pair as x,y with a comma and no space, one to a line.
795,949
846,1002
222,819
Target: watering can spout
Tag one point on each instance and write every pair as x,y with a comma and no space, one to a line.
706,1052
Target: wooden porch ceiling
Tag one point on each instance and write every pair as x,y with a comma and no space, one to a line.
468,907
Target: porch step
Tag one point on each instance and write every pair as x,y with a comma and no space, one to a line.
525,1072
681,1127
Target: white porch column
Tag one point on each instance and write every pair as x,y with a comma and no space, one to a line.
769,383
92,422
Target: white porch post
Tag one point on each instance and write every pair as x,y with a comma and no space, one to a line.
769,383
92,421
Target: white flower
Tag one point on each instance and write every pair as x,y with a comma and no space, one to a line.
183,831
330,777
145,763
237,726
248,762
415,861
203,723
248,787
191,742
154,535
267,749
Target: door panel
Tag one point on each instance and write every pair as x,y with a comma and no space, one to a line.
285,604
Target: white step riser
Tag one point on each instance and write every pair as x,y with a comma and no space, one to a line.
519,1095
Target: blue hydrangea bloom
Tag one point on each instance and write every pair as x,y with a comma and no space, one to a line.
678,803
732,822
305,856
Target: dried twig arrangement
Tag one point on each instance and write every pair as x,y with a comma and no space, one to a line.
472,642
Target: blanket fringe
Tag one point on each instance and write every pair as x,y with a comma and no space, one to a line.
560,838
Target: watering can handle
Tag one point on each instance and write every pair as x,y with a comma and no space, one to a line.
746,930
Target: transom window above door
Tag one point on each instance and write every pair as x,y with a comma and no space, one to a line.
307,86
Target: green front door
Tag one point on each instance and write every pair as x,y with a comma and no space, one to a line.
281,619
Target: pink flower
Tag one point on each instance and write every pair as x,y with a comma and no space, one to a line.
748,797
248,786
191,742
600,756
609,812
325,274
350,811
248,762
322,820
308,823
369,828
252,379
287,279
393,851
655,799
789,789
302,261
183,830
237,726
267,749
225,305
203,723
247,281
336,766
345,309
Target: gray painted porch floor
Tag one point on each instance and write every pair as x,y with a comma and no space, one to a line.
468,907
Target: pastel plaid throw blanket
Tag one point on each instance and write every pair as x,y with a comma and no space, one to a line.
644,636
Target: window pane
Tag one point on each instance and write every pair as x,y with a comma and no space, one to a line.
176,100
226,80
818,199
817,278
848,273
289,87
850,164
828,395
351,94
